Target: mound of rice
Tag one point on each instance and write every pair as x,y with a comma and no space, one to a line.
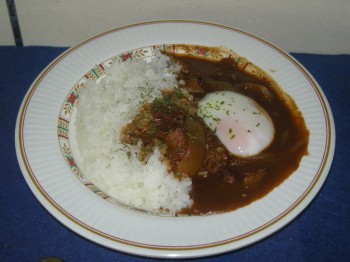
103,108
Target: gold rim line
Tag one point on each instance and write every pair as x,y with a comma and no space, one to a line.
73,219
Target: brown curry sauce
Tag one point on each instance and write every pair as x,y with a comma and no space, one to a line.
221,182
214,193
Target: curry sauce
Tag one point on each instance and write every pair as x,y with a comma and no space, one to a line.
221,181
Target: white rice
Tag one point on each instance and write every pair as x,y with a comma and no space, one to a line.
103,108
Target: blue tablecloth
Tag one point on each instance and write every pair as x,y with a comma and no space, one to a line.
29,233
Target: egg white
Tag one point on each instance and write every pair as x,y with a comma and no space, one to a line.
240,123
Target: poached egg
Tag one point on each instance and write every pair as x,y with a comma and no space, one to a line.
240,123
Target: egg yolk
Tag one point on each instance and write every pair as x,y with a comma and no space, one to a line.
240,123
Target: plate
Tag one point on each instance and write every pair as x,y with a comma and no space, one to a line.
51,176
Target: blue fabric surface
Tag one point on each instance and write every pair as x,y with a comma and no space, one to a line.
29,233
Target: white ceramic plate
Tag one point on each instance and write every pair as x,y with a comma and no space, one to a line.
56,186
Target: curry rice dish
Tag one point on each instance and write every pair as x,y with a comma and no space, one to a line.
217,136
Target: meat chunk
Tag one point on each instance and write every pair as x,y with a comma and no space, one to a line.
194,87
253,178
177,143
